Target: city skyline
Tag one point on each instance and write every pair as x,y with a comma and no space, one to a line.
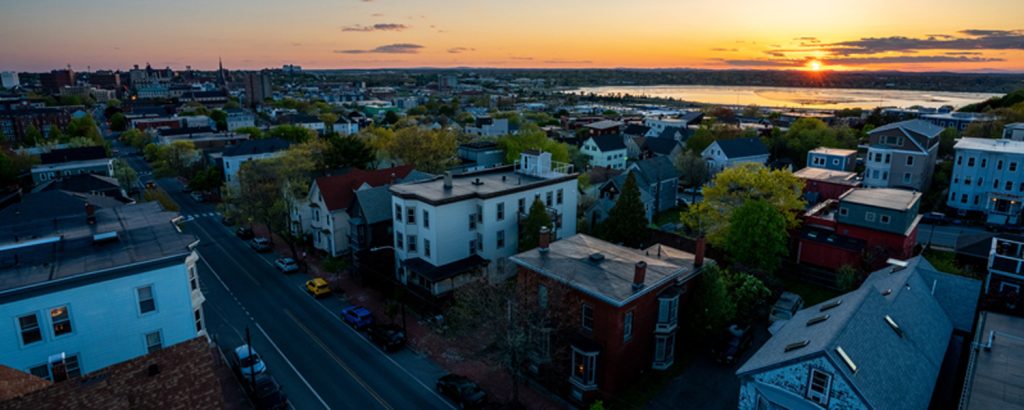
738,34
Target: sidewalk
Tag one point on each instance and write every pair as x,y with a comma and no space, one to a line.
446,353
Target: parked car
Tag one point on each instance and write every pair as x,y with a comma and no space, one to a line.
787,306
286,265
464,392
244,233
935,218
357,316
318,287
226,221
388,337
734,342
260,244
197,196
266,392
247,361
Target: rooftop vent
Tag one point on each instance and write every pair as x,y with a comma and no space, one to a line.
817,319
104,237
797,345
894,326
846,359
478,182
596,257
887,292
896,264
830,305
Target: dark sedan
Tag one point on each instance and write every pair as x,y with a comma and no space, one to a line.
388,337
464,392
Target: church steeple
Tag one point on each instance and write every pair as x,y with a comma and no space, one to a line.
222,80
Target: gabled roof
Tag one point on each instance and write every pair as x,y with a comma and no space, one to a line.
636,129
62,155
920,127
15,383
338,190
691,116
607,143
182,376
655,169
375,203
600,175
604,124
661,146
256,147
742,147
80,183
892,366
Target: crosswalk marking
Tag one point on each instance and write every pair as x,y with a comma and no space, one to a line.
190,217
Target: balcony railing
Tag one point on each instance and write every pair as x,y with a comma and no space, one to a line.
1007,256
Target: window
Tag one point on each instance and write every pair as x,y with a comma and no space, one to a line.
975,199
542,296
472,247
910,160
970,161
398,213
410,215
884,219
587,317
30,332
42,371
426,219
1009,185
547,198
399,241
818,386
426,247
869,216
843,211
999,165
959,160
154,342
61,320
984,162
1006,287
193,280
888,157
66,368
967,181
522,205
906,177
472,221
1013,167
559,197
981,180
664,350
584,366
198,313
412,243
146,302
501,239
501,211
668,311
627,326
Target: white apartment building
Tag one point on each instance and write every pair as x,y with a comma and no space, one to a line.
447,228
234,156
607,151
83,288
988,177
9,79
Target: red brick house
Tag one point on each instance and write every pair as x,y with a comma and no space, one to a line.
623,306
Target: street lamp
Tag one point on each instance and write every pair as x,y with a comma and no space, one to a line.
400,302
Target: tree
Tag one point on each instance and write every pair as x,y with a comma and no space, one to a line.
55,134
85,127
174,159
806,134
390,117
736,185
329,118
627,220
756,236
430,151
125,174
293,133
348,151
531,137
529,235
252,132
206,179
711,307
134,138
118,122
12,166
947,139
220,117
32,136
847,278
693,171
579,160
749,293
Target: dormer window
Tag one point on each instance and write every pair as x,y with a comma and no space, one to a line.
819,384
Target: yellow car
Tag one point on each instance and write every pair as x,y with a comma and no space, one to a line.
318,287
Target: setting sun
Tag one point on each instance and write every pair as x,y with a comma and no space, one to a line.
814,65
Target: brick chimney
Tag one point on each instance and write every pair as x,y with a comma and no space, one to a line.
639,274
544,239
90,213
698,256
447,180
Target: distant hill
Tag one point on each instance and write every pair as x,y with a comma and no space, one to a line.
1006,101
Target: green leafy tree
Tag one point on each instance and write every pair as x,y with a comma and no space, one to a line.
125,174
529,234
134,138
329,118
756,236
847,278
55,134
85,127
736,185
293,133
348,151
118,122
711,306
947,139
220,118
430,151
627,220
749,294
390,117
32,136
253,132
806,134
12,166
206,179
693,171
175,159
531,137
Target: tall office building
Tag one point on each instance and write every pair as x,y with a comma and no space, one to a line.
257,88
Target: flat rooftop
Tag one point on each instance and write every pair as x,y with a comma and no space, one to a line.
996,382
481,184
834,151
72,164
828,175
56,245
888,198
609,277
991,145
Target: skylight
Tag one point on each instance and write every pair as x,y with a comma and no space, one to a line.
846,358
893,325
830,305
817,319
797,345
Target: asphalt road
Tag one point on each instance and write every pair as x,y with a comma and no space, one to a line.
319,361
945,236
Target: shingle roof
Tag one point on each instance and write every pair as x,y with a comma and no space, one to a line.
661,146
892,367
58,156
636,129
607,143
922,127
182,376
258,146
15,383
338,190
656,169
742,147
604,124
375,203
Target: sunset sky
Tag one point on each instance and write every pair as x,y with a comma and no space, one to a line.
955,35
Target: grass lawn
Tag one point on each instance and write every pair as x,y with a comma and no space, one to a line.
670,216
945,261
812,294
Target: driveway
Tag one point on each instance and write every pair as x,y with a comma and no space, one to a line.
707,384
